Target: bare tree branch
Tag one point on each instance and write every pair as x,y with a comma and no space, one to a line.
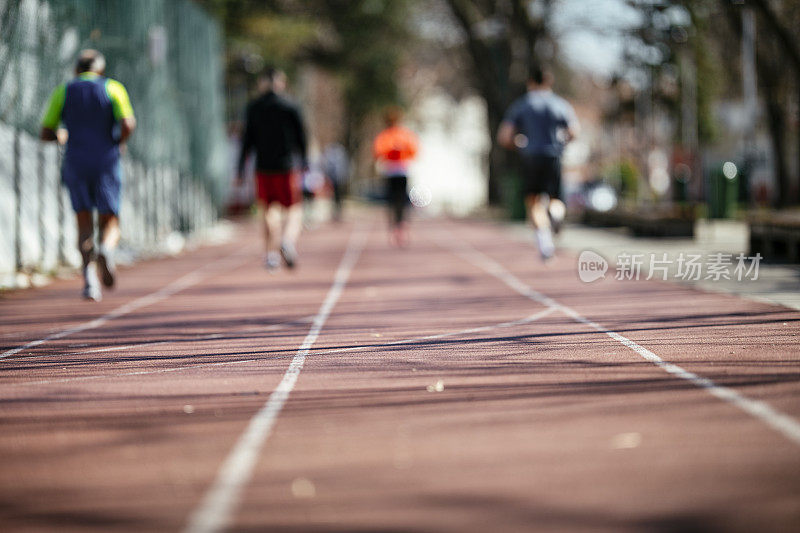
480,53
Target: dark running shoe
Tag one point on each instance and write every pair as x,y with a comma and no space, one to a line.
289,255
105,261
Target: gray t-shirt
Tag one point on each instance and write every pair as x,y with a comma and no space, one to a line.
542,117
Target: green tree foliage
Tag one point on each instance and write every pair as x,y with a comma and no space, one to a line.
709,75
363,42
624,176
360,41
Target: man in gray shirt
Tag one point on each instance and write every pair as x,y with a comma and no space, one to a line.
539,125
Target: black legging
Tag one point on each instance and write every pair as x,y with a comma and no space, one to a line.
397,197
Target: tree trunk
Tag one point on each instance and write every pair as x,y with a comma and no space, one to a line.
498,161
769,78
491,68
777,129
790,47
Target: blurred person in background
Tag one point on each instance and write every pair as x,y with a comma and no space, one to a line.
336,166
394,149
539,125
98,118
242,195
313,187
274,131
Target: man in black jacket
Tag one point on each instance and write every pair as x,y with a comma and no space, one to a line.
274,130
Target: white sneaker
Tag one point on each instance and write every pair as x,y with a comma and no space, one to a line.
544,238
272,262
557,213
91,285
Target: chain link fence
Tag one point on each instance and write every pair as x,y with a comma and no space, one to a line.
168,54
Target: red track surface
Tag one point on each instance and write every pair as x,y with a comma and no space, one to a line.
546,424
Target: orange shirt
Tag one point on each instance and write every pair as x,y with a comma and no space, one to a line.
395,145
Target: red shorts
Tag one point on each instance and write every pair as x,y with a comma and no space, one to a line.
281,187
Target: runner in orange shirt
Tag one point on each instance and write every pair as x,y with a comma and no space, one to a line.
394,149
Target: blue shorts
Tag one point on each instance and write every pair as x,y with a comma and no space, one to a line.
93,186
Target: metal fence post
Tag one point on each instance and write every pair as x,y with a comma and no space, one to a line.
165,218
179,200
148,178
18,204
41,196
133,187
198,209
158,188
62,258
143,213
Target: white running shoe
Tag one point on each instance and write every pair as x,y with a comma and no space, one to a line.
544,238
91,285
272,262
557,212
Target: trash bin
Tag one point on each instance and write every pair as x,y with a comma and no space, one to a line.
513,199
723,191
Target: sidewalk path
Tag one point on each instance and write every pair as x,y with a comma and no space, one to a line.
776,284
457,385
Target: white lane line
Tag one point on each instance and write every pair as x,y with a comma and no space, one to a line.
322,351
780,422
216,509
184,282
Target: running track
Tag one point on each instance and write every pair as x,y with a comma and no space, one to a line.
457,385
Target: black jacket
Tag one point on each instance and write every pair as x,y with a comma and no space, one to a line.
274,128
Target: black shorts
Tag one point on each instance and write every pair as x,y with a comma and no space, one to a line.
541,174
